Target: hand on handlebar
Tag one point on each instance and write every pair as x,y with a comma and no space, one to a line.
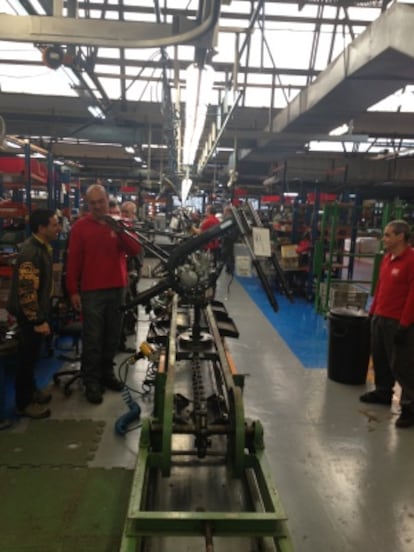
115,225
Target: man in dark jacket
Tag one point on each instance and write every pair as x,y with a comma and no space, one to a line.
29,301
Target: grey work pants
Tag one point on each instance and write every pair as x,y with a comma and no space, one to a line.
101,327
403,369
382,347
393,362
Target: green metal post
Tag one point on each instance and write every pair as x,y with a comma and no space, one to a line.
375,271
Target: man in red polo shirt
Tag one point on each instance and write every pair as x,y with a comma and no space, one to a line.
209,221
96,279
392,324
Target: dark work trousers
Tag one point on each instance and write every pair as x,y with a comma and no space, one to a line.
29,346
101,328
382,346
403,367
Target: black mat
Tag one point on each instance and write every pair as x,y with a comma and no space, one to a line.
63,509
51,443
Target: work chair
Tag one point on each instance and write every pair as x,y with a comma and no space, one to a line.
68,325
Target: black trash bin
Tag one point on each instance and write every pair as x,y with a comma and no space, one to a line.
349,345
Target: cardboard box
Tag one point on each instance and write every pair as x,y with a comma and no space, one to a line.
289,263
288,251
243,266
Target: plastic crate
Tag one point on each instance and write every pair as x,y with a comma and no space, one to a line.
344,295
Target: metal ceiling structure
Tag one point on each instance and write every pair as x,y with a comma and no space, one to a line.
357,54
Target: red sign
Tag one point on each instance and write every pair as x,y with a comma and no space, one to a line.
270,199
17,166
323,198
240,192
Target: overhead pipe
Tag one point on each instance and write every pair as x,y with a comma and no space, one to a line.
109,33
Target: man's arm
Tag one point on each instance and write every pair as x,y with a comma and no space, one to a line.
128,240
28,283
73,261
407,316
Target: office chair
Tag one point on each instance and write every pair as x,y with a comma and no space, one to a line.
69,325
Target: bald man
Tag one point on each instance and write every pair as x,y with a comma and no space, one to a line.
129,210
96,280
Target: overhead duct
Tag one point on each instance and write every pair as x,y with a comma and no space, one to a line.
376,64
2,129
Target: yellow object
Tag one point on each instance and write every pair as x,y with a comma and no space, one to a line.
146,349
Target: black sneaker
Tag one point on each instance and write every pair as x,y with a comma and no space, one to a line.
405,419
93,393
376,397
113,383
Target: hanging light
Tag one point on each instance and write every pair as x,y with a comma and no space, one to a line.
185,189
199,84
96,112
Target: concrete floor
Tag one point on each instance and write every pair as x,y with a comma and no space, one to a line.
344,472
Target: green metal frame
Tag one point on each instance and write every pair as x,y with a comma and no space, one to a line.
245,458
324,267
271,522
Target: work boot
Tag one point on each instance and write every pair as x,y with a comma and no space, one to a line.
376,397
93,393
112,382
405,419
41,397
34,411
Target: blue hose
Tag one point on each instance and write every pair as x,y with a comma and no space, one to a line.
133,414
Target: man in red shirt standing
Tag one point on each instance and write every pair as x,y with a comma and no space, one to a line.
96,279
392,324
210,220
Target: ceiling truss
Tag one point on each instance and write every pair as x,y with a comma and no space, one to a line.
262,137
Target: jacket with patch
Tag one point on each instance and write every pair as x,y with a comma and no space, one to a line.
31,286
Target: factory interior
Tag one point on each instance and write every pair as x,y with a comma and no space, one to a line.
239,425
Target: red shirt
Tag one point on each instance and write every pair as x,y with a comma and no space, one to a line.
97,256
394,294
207,223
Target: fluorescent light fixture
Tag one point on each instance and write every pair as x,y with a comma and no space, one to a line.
10,144
18,9
33,155
153,146
185,188
198,90
96,112
138,159
58,162
38,7
129,149
405,152
339,131
290,194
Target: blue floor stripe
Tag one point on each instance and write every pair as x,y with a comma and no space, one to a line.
305,331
